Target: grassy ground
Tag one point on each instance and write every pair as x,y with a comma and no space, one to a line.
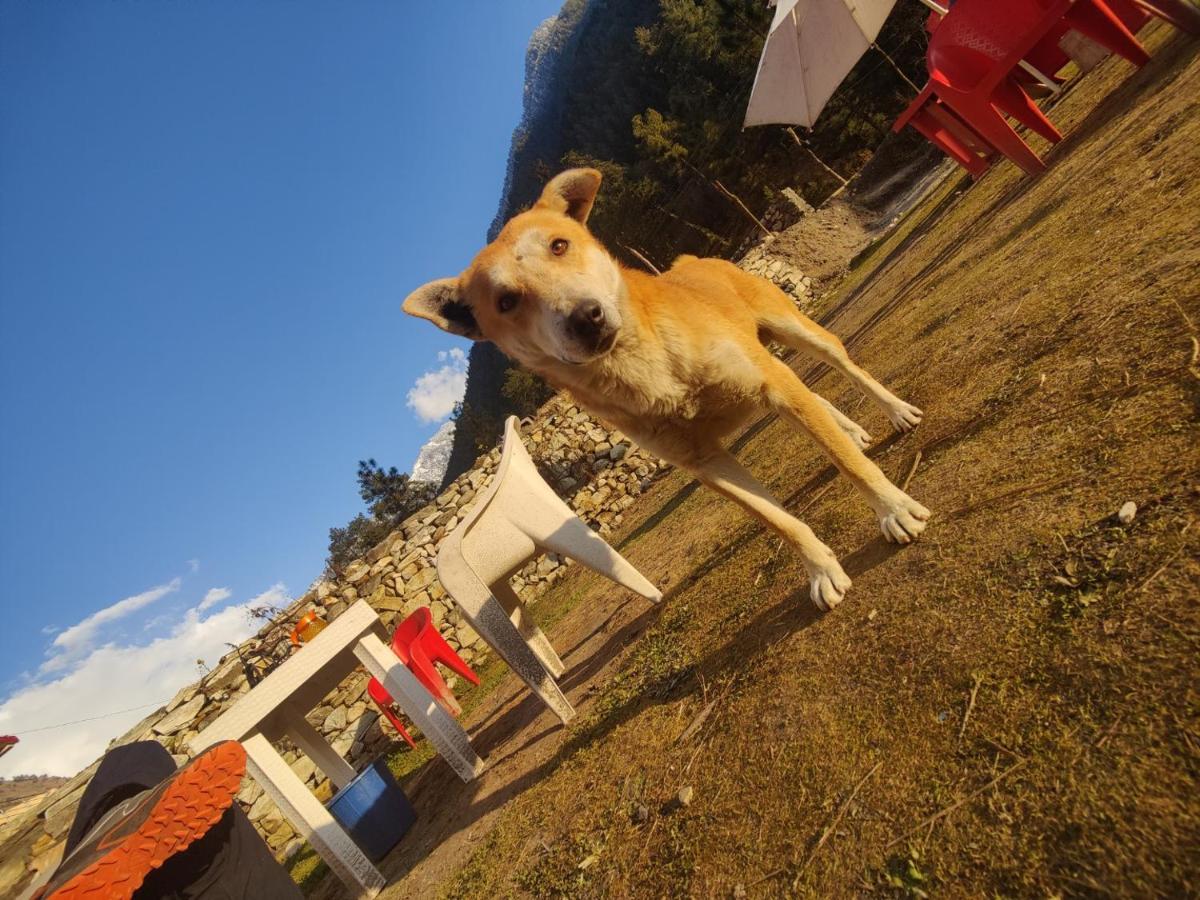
1009,707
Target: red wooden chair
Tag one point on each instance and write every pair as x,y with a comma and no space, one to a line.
419,646
974,50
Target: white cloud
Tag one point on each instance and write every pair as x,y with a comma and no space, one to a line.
134,677
73,643
213,597
434,394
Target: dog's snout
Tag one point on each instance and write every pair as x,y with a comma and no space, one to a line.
587,318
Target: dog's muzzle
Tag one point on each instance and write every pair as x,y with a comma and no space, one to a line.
590,328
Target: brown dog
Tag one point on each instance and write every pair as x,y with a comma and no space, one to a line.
676,361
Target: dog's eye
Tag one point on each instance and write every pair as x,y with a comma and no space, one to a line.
507,302
559,246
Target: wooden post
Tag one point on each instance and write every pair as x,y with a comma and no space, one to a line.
820,162
720,187
642,258
899,71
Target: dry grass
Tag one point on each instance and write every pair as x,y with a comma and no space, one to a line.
1008,707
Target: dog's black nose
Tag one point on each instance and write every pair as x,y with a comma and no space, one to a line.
587,319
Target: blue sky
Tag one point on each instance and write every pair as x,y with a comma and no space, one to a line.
209,215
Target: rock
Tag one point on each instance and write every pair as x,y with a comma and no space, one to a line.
288,853
281,836
466,634
421,580
58,816
250,792
271,821
184,695
1127,512
181,717
335,721
303,767
324,791
357,572
261,807
684,796
382,600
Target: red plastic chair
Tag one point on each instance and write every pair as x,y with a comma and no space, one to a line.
1096,19
1136,13
975,49
1131,15
387,706
946,131
419,646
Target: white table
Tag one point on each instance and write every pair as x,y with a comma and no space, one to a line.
275,708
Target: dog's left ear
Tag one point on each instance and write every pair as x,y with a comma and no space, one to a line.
571,193
441,303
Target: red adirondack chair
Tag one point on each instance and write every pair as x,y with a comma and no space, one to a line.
419,646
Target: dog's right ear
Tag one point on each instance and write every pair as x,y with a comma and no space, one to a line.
441,303
571,193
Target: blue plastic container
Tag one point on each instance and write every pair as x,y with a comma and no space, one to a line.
374,811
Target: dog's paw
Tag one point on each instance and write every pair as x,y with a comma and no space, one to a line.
828,584
901,518
858,434
904,416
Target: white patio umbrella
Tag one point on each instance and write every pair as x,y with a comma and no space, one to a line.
810,49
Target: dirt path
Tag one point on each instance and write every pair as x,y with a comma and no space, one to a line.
1008,707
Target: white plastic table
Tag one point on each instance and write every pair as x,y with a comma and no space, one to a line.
276,707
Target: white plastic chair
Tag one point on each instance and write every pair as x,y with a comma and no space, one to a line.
518,518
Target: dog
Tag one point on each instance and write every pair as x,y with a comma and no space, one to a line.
677,361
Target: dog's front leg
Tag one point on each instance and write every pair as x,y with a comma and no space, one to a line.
720,471
796,330
901,518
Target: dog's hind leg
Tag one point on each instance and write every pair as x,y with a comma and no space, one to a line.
901,518
720,471
794,329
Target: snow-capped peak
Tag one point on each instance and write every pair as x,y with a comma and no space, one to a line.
435,455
